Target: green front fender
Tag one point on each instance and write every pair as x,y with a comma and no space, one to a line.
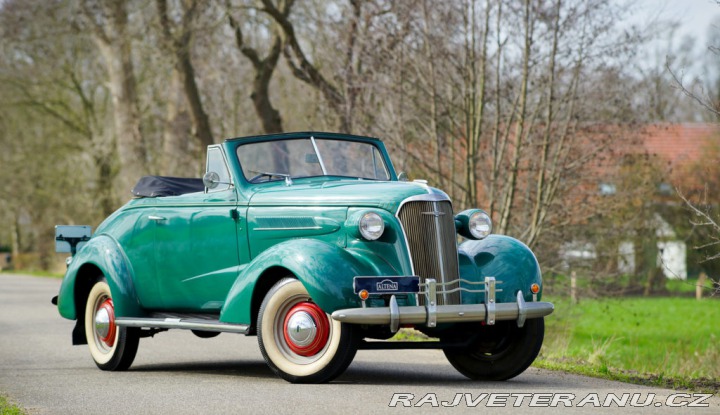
325,270
101,254
510,261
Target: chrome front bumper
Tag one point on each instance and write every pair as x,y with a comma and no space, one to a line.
431,314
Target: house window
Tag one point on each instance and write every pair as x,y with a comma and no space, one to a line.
665,189
607,189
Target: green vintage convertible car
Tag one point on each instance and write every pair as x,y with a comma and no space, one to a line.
314,243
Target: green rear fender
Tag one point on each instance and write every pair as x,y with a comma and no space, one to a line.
101,254
507,259
326,271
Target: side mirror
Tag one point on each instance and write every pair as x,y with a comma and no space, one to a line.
403,177
211,180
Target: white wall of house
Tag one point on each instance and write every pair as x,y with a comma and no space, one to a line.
626,257
672,253
672,258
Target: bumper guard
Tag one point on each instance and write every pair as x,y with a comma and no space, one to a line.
431,314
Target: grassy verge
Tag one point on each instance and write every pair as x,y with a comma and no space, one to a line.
670,342
34,273
406,334
7,408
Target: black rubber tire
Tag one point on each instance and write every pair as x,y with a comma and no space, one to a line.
502,351
121,354
326,365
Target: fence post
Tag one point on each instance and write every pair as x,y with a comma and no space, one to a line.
573,288
700,285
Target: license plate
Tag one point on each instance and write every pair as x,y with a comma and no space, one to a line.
387,285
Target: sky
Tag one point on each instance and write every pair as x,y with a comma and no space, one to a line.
695,15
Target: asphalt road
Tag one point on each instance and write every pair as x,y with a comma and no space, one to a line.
178,373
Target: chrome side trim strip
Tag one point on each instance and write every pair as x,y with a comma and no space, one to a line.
299,228
186,324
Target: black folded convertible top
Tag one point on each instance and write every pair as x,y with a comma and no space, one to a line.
158,186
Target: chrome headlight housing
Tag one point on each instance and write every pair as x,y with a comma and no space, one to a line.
371,226
473,224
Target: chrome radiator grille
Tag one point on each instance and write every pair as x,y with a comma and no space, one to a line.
430,230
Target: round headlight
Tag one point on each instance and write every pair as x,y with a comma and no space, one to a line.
371,226
480,225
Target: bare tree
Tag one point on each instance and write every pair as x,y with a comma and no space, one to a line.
178,38
341,94
476,75
108,23
264,67
705,219
695,91
700,94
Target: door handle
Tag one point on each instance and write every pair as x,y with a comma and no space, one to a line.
156,218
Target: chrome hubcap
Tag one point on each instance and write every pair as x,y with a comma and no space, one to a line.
105,329
102,322
301,328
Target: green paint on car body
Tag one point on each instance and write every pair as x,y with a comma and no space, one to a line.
211,252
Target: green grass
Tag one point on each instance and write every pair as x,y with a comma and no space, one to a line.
665,341
7,408
688,286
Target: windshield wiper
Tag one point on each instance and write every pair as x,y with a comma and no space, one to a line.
270,175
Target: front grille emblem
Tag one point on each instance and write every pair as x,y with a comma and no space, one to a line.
435,213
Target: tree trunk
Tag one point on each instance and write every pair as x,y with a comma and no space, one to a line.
510,187
302,68
541,189
177,148
270,117
432,87
105,176
180,45
476,105
114,43
15,240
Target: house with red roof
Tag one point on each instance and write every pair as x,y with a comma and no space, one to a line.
685,158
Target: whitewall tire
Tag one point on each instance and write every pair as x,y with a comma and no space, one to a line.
300,342
111,347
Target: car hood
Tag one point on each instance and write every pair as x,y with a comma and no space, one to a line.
383,195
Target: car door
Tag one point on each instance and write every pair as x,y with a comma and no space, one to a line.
200,243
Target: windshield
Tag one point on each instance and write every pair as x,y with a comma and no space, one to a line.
307,157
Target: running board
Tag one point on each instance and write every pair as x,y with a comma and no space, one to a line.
185,324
